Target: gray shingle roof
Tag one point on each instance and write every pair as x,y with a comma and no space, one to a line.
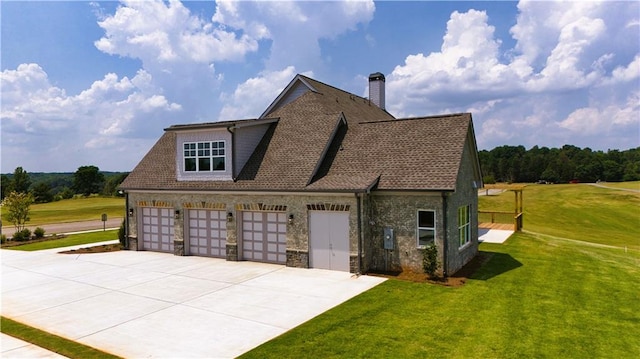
310,149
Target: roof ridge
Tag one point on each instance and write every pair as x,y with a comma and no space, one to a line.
417,118
332,87
219,124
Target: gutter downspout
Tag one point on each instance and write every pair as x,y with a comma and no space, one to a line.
445,224
359,205
232,131
126,216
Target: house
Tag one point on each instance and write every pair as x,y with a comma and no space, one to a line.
322,179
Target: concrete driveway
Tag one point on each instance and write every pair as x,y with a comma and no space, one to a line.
146,304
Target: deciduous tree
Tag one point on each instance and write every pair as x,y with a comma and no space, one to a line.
88,180
20,181
42,193
5,186
18,206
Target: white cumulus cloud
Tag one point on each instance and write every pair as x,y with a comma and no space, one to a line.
567,78
36,113
253,96
293,27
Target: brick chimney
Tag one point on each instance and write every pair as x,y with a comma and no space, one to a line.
376,89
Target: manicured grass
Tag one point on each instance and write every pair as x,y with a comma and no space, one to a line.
625,185
70,240
576,211
50,341
74,210
538,297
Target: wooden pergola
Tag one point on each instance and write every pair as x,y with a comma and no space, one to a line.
517,214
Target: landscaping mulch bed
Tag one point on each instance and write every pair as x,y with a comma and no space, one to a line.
44,239
456,280
95,249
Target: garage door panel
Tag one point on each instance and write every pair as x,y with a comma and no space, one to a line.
264,236
329,240
205,236
157,229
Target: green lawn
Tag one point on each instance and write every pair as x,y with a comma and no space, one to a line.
70,240
577,211
625,185
538,297
51,342
73,210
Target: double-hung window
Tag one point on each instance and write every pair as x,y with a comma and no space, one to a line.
426,228
204,156
464,227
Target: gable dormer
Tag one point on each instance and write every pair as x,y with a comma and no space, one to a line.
296,88
216,151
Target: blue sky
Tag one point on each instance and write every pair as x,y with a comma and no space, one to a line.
95,83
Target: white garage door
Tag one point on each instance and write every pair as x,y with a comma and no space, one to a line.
207,233
264,237
157,229
329,240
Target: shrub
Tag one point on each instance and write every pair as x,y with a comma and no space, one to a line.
122,234
66,193
38,232
430,260
488,179
23,235
3,239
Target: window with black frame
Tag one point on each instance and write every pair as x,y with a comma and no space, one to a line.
426,227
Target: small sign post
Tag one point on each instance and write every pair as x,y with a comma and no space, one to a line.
104,222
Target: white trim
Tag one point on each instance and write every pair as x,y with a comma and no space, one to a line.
211,156
284,92
467,225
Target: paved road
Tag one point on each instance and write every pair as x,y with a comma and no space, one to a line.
71,227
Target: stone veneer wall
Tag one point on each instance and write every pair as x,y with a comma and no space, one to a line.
367,227
378,210
295,204
466,194
399,211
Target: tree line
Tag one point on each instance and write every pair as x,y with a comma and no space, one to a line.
559,165
48,187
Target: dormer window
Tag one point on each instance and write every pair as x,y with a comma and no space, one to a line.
204,156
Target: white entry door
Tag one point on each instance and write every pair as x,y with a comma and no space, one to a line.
207,233
264,237
329,240
157,229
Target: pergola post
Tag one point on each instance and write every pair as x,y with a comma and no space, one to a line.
518,221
